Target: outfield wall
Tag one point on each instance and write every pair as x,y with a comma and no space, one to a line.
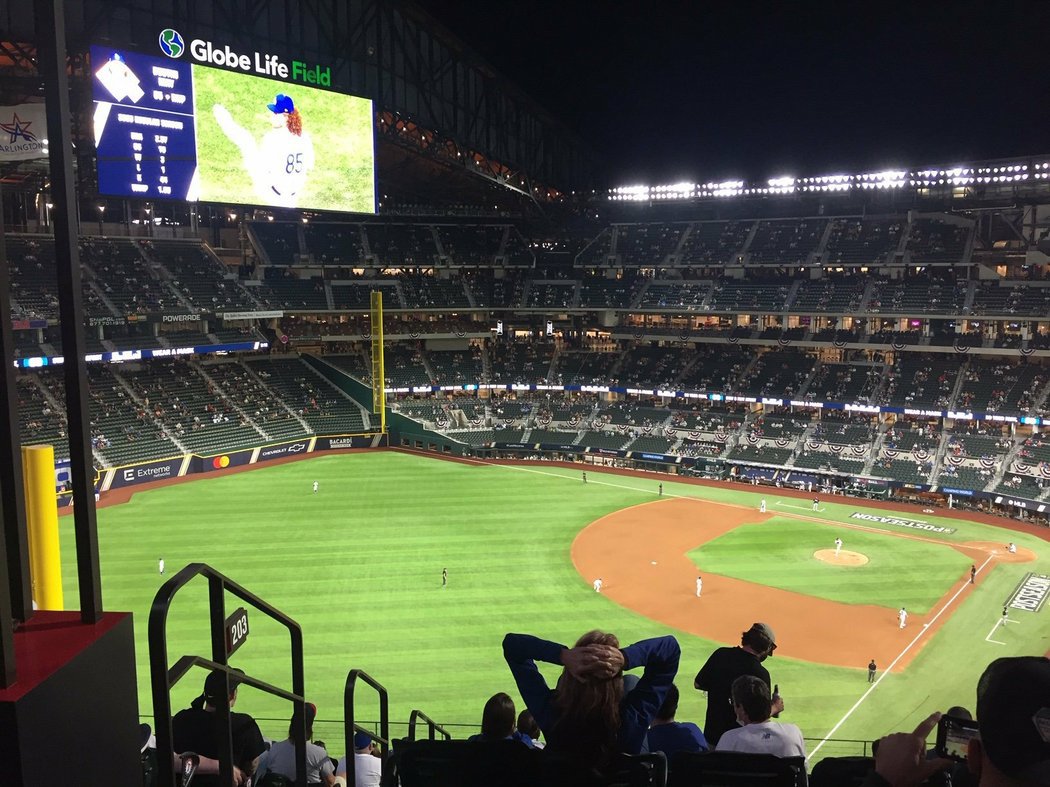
185,465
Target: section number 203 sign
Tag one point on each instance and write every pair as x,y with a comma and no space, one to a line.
236,630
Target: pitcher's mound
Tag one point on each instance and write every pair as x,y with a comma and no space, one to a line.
845,557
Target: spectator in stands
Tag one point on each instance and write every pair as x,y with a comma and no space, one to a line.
758,733
368,769
280,759
723,667
197,729
497,721
590,717
528,726
670,736
1013,749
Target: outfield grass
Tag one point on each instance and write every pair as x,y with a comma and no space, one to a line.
359,566
779,553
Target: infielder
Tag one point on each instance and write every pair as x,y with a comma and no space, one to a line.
1011,548
762,506
598,585
871,671
838,546
699,586
278,165
902,616
315,487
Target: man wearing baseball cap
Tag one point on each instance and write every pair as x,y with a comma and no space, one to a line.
723,667
1013,715
197,729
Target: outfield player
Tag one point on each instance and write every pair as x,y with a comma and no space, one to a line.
762,506
816,503
699,586
838,546
598,585
444,577
315,487
902,617
585,477
160,565
661,490
280,163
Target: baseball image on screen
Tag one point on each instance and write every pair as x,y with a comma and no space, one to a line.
265,142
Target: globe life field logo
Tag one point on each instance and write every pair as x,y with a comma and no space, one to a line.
171,43
265,64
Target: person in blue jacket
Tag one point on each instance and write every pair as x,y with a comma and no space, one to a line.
589,716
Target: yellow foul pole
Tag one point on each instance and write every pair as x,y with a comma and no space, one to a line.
45,565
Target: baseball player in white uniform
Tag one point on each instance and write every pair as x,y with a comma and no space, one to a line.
315,487
902,616
762,506
280,163
598,585
699,586
838,546
160,565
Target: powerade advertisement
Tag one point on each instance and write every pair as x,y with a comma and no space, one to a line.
168,127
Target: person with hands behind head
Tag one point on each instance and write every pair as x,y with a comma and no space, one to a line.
589,716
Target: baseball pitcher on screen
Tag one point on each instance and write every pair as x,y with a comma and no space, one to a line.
280,163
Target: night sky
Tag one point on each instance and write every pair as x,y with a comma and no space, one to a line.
699,90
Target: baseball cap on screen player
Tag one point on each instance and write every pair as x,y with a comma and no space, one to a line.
1013,715
282,105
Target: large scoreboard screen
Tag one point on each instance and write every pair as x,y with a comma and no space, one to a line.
170,128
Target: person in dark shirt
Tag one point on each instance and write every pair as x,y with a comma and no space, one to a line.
198,729
670,736
726,665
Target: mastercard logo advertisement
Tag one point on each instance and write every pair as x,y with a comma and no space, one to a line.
219,462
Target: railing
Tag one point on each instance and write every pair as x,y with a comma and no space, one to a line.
162,678
352,728
432,726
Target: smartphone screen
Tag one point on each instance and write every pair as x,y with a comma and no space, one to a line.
953,736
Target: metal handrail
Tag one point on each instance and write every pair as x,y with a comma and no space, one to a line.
162,678
432,726
351,727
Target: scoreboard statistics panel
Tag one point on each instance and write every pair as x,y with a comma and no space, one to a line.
169,129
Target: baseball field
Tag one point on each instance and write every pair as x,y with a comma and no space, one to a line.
359,565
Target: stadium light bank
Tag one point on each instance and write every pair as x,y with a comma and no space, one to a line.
960,176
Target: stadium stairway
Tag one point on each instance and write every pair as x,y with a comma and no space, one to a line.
137,400
942,448
876,446
277,396
221,391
